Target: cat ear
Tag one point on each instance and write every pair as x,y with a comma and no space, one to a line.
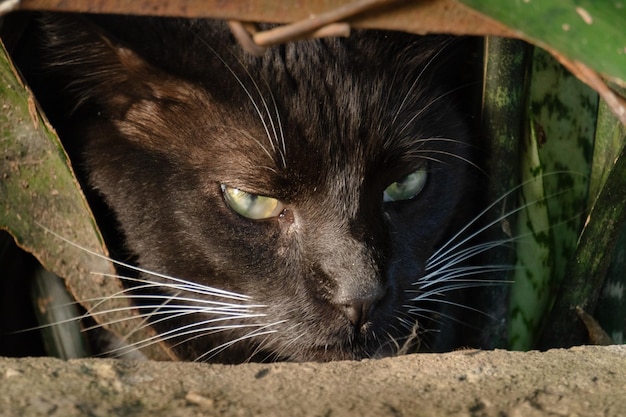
94,66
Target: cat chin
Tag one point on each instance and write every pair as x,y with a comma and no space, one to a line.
296,354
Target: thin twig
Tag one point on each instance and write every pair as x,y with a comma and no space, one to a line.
7,6
242,34
243,37
300,29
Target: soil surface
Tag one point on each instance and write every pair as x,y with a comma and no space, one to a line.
582,381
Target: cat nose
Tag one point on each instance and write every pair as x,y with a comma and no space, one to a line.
359,311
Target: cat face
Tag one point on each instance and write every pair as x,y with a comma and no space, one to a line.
289,203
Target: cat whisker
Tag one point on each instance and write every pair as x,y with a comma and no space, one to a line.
188,287
455,274
282,146
190,329
209,290
256,106
403,345
250,137
285,347
206,306
465,254
431,103
170,312
452,285
432,312
261,331
410,91
221,311
169,315
435,151
450,246
435,315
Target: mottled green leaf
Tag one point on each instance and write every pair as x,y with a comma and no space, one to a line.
531,291
564,113
555,171
585,274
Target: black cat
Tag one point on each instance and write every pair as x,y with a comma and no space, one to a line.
295,206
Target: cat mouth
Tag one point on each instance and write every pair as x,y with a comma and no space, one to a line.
359,346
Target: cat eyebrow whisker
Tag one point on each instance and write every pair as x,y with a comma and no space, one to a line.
257,109
440,152
282,147
269,115
427,106
249,136
417,80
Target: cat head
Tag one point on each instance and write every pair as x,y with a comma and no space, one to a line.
293,200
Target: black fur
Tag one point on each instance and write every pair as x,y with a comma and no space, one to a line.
160,113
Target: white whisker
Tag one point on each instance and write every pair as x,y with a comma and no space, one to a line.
409,93
450,246
188,286
257,108
440,152
258,332
188,329
250,137
467,253
209,290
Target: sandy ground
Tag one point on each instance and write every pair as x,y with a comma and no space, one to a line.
583,381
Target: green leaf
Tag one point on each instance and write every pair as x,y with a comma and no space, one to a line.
590,31
40,201
611,306
503,115
586,273
531,291
610,139
555,171
564,113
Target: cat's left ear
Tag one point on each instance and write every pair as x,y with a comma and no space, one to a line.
98,68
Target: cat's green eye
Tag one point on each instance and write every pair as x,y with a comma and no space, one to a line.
407,188
252,206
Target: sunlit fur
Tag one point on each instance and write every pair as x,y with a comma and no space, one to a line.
160,113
